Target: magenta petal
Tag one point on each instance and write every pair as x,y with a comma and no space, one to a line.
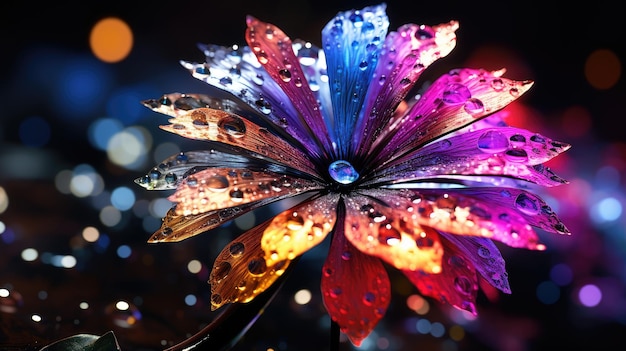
355,288
453,101
457,284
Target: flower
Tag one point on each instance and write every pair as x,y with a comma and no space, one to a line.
425,184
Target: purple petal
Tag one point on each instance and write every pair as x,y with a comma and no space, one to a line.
507,151
453,101
404,56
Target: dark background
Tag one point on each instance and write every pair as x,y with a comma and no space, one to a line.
533,40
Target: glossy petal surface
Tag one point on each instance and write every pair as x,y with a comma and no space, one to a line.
355,301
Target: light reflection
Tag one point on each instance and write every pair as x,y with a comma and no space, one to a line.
590,295
29,254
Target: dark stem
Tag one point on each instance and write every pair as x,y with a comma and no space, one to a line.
334,336
230,326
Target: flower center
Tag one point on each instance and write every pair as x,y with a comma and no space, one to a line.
342,172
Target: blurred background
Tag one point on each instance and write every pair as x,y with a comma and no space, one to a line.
74,136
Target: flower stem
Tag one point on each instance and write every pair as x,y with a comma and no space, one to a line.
334,336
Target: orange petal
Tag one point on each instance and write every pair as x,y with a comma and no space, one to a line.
356,301
240,273
392,233
298,229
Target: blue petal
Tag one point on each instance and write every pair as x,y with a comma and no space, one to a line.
352,41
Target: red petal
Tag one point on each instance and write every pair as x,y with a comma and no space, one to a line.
355,288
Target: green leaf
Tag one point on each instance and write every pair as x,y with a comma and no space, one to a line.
85,342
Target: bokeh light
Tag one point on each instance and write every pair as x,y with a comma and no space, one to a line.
603,69
111,39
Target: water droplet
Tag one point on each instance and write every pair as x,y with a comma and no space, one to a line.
295,222
369,298
346,255
285,75
154,174
192,181
493,142
236,195
463,285
335,292
389,235
216,300
170,178
220,271
455,94
480,213
357,19
343,172
518,140
264,106
363,65
474,106
538,139
262,57
216,183
257,266
497,84
258,79
484,252
328,271
233,126
516,155
527,204
236,249
182,158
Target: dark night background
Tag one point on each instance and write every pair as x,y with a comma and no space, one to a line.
45,132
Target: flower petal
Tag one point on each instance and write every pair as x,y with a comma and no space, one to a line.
405,54
354,301
509,152
453,101
351,43
227,128
237,71
218,188
457,284
240,272
273,49
177,227
295,231
390,231
484,256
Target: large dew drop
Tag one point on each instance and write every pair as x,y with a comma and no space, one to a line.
343,172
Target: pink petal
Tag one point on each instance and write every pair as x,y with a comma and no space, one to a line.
355,288
453,101
457,284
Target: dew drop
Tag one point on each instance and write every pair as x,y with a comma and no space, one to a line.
335,292
262,57
192,181
369,298
170,178
285,75
346,255
236,249
221,271
497,84
216,299
493,142
257,266
518,140
463,285
236,195
455,94
389,235
343,172
474,106
295,222
484,252
233,126
527,204
516,155
216,183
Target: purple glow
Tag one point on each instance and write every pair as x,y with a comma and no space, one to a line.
590,295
